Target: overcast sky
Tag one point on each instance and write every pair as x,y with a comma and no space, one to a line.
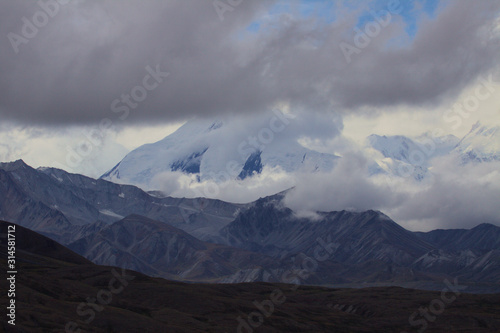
124,73
262,52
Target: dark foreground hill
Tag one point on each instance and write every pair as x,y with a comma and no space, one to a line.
58,291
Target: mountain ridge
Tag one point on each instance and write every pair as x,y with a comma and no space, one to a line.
258,241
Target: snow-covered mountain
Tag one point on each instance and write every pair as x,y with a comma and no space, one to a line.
481,144
402,156
220,151
405,157
232,149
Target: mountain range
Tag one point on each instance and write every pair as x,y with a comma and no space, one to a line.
209,240
404,156
208,150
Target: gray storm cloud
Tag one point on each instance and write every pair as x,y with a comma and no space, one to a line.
79,65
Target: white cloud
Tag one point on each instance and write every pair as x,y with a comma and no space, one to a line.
457,196
84,150
270,181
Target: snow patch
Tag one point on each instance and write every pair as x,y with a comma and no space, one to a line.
110,213
59,179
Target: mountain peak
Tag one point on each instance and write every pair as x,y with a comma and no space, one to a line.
11,166
486,226
475,126
218,150
481,144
